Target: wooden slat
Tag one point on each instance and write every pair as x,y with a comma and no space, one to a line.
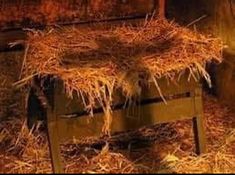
67,105
179,109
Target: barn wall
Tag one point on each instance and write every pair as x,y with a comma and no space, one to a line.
219,20
224,73
16,13
225,18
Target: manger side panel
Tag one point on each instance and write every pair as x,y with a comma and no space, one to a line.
85,126
178,109
169,88
67,105
151,114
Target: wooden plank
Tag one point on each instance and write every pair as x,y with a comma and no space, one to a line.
170,88
67,105
198,123
151,114
54,145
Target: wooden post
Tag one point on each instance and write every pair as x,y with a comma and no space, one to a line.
54,144
198,123
53,137
162,4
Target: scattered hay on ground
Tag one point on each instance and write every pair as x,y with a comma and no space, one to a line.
161,148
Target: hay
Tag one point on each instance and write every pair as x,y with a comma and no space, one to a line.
95,62
162,148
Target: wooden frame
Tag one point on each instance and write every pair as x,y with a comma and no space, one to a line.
184,102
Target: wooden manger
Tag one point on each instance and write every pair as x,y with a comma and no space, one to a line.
171,90
67,120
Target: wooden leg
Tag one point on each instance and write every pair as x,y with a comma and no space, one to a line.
54,145
198,123
199,135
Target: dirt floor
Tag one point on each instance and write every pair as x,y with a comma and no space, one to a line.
156,149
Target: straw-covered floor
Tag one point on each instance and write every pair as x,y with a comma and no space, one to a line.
96,61
161,148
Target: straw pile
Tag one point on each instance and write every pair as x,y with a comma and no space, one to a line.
97,61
